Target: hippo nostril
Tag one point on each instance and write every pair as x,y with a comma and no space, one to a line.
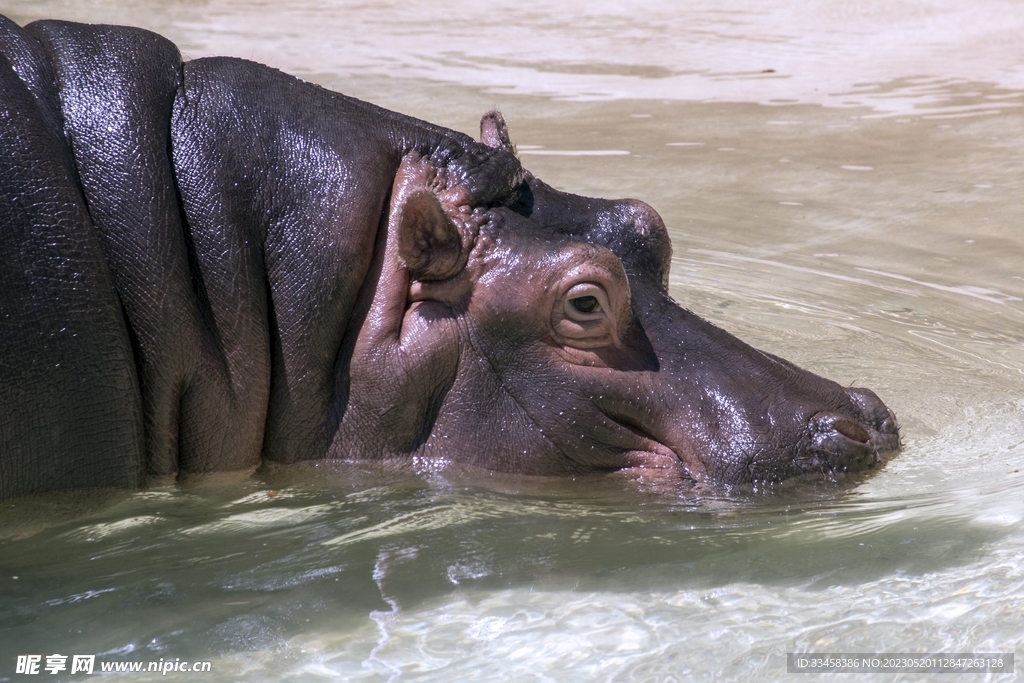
889,425
851,430
832,425
839,443
879,418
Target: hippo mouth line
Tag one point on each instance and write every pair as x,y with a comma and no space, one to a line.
647,449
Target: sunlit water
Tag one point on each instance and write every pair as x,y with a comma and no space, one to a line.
843,183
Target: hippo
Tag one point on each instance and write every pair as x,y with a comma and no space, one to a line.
209,265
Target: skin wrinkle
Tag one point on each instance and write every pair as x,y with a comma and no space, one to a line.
68,423
386,333
231,278
366,295
641,401
187,103
442,386
515,399
647,442
357,314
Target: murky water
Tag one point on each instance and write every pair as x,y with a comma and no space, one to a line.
842,181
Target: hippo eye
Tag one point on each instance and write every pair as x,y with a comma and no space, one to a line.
584,317
586,304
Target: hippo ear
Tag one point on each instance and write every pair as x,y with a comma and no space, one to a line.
494,132
429,244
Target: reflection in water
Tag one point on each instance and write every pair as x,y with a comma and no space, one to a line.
875,239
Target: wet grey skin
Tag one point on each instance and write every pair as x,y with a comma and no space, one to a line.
208,265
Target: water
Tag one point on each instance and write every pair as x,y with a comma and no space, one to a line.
842,181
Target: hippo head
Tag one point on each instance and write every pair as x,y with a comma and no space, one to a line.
537,336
